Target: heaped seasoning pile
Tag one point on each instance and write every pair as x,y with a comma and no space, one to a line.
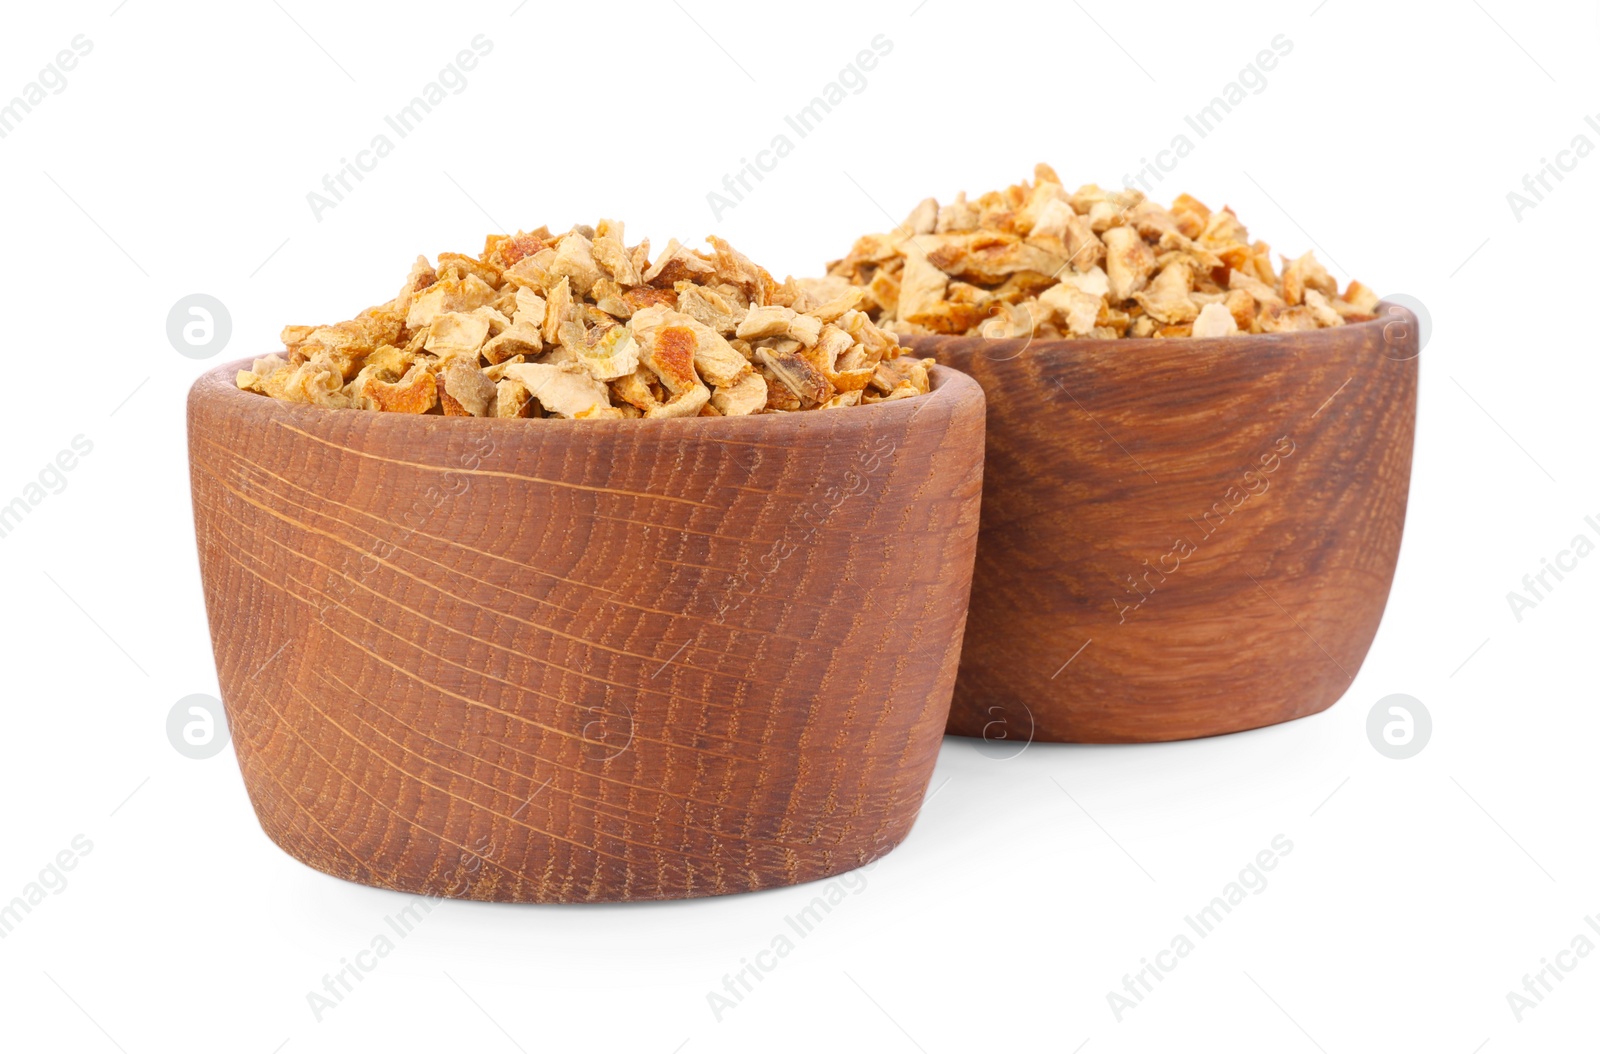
1035,259
581,325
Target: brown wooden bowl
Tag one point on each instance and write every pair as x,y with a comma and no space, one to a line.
586,661
1128,503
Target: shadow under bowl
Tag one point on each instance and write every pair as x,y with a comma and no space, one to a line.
550,660
1181,537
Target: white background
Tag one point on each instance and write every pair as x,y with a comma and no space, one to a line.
1418,893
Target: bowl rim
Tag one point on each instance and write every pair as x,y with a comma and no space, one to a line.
1387,312
216,387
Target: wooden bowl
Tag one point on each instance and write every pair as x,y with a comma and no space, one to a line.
586,661
1181,537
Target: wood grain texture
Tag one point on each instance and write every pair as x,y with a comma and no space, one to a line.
586,661
1108,461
